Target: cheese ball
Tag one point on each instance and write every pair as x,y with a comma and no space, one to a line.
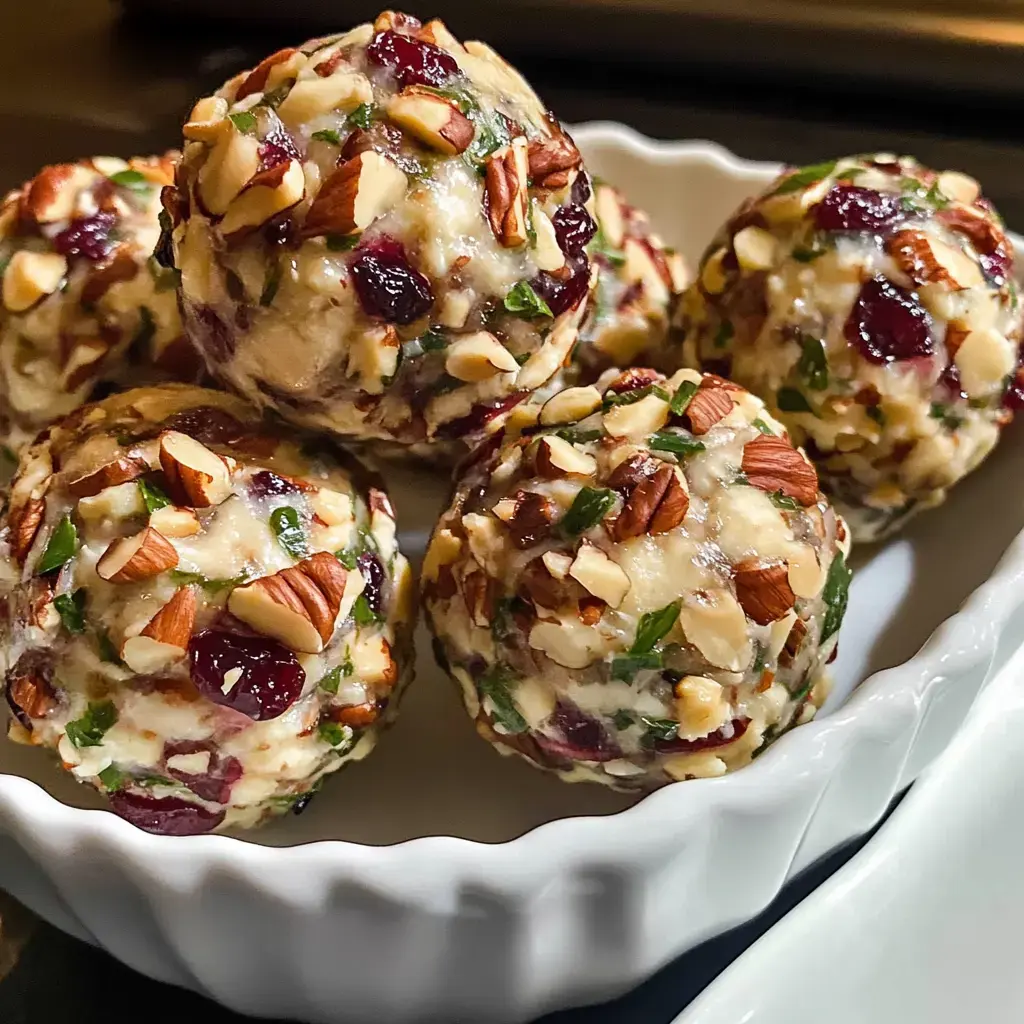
871,303
639,284
80,291
207,618
382,234
644,587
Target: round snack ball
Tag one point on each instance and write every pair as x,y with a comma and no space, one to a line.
645,588
871,302
207,618
382,234
639,283
80,288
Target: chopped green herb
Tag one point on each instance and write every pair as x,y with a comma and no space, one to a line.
588,508
681,399
347,668
660,729
850,174
1011,287
524,302
808,254
7,456
113,778
574,435
665,441
432,341
653,626
328,135
805,176
626,666
165,279
600,246
763,427
874,412
71,609
341,243
134,181
271,284
363,614
503,624
330,682
209,584
945,415
152,497
3,264
347,558
146,329
522,358
491,135
149,781
284,521
622,719
813,364
244,122
107,650
780,500
61,547
495,686
362,116
836,594
634,396
334,734
760,654
89,730
792,400
724,334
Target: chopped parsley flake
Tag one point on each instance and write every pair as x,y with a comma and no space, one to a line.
89,730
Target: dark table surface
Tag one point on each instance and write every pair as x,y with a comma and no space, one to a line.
80,78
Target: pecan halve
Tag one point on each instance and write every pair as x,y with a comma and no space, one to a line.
656,504
531,519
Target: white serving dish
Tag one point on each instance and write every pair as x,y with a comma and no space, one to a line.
924,923
438,880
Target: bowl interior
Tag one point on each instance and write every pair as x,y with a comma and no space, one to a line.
431,775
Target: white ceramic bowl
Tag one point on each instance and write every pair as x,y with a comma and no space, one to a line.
438,880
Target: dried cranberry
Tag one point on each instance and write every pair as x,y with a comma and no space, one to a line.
888,324
996,265
1014,397
373,573
413,61
582,738
215,783
562,294
271,677
207,424
212,335
718,738
574,228
388,285
265,484
88,237
850,208
277,148
165,816
950,381
580,192
472,423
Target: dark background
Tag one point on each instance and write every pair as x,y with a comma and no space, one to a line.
790,81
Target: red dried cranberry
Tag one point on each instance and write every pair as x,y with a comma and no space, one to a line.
212,335
164,816
277,148
474,422
413,61
271,679
580,192
207,424
582,738
950,381
718,738
373,573
996,265
265,484
574,228
1014,397
215,783
850,208
888,324
88,237
388,285
560,294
